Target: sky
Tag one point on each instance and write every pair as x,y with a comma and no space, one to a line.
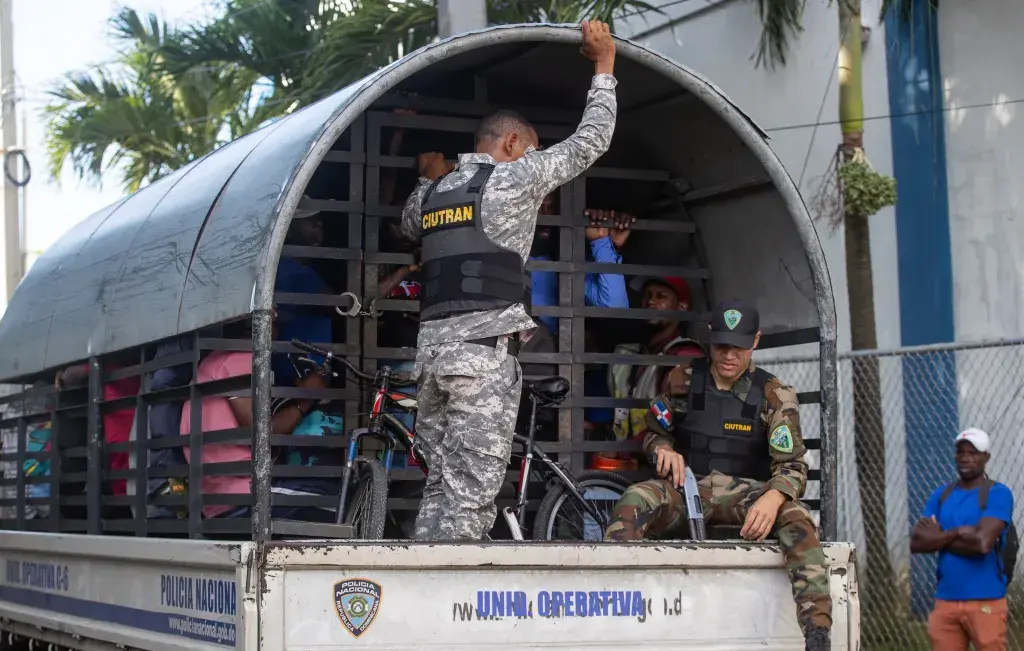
52,38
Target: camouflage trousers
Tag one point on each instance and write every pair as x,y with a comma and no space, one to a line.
655,509
467,396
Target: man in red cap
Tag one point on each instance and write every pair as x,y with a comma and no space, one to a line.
665,338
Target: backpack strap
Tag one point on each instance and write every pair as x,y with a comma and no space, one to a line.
983,493
946,493
986,486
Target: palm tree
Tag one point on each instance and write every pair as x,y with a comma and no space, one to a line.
140,120
879,579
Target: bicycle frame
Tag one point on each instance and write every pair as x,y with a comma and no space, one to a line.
384,397
385,427
516,518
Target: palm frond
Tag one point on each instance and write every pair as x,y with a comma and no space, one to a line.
272,38
369,36
781,20
141,120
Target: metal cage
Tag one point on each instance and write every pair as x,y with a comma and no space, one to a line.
200,248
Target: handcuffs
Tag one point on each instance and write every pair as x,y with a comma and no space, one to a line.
357,307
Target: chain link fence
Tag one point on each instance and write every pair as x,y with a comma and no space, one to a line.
899,412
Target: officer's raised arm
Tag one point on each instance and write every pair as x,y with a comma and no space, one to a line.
785,442
544,170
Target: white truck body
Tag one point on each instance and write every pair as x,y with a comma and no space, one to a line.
100,592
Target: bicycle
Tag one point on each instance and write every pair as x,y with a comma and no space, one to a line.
567,493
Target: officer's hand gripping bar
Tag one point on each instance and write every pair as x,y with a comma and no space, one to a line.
693,506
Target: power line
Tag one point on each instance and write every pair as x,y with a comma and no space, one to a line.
821,107
890,116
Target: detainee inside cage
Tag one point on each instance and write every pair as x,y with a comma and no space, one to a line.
171,312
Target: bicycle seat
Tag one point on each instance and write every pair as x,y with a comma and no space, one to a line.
551,389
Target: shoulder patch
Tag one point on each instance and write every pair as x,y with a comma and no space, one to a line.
662,414
782,439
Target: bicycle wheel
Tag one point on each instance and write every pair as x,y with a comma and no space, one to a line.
561,516
368,508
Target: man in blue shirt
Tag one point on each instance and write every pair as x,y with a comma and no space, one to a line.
305,322
601,290
970,601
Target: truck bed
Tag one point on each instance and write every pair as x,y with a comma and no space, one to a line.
95,592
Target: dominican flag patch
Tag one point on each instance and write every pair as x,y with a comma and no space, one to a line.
662,414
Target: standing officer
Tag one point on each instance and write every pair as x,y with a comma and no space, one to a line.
477,224
738,427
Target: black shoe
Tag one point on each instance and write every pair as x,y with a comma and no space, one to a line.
817,639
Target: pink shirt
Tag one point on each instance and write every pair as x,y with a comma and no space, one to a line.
117,425
217,415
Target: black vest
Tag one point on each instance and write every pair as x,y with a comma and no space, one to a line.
722,432
463,270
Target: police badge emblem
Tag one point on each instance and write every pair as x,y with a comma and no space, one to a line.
357,601
732,318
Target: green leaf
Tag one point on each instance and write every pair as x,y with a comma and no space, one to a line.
780,21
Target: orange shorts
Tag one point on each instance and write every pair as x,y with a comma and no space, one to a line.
953,625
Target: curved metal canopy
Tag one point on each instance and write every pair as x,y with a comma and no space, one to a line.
201,246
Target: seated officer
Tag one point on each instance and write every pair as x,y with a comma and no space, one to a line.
739,429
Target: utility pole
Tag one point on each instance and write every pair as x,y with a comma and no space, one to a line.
13,261
459,16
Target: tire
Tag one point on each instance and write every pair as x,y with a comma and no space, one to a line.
368,508
544,526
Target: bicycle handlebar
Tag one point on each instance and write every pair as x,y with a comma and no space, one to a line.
330,357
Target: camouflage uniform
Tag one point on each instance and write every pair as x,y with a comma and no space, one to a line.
468,393
655,508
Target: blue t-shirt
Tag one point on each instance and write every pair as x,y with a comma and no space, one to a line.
963,578
303,322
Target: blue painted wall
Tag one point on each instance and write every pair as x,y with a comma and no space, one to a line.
925,265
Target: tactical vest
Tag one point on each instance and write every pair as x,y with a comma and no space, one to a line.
723,432
463,270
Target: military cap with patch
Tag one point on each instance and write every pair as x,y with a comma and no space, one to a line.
734,323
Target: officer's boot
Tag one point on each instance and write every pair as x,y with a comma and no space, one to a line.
817,639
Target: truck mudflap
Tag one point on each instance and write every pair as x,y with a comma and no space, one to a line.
101,591
542,595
